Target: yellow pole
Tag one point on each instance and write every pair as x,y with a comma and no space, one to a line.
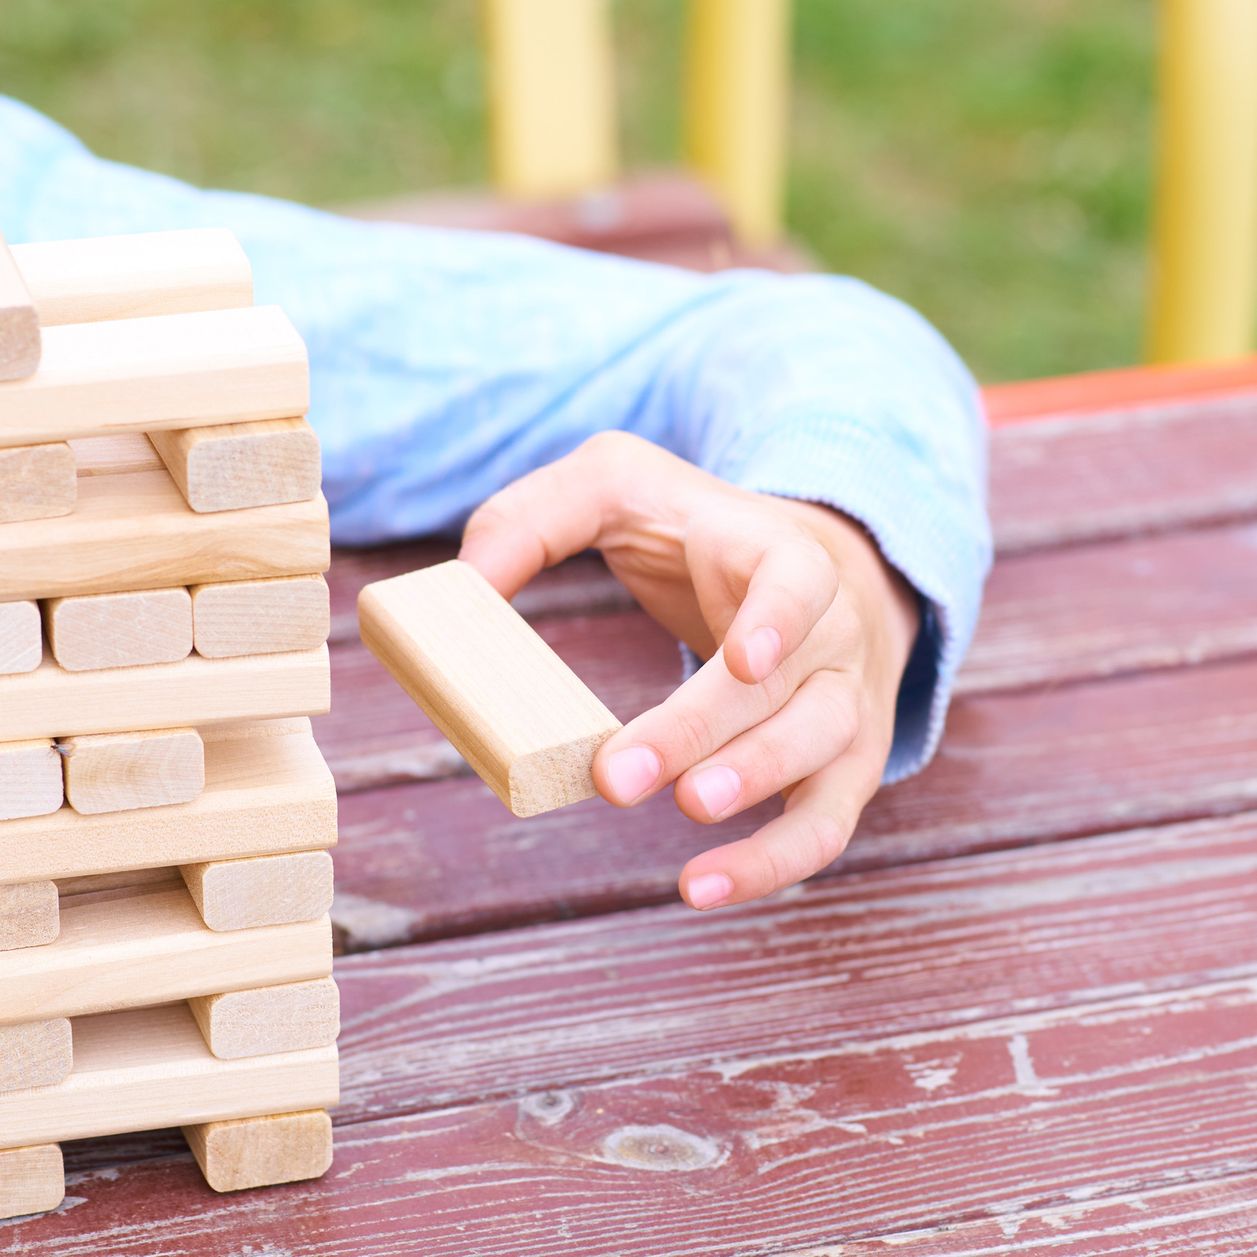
1204,266
551,96
737,73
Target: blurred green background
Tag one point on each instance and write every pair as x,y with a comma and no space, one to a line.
988,161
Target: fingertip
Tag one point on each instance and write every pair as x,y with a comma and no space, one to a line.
626,774
704,891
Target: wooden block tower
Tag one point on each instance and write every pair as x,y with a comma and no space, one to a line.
165,814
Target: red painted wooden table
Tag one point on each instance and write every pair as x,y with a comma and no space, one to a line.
1019,1017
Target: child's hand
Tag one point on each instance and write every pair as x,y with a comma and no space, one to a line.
805,629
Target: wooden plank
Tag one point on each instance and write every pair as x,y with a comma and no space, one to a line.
523,720
21,637
37,482
165,371
138,523
262,1151
115,455
229,467
262,890
119,630
284,1018
148,1068
51,702
263,794
28,917
31,782
131,276
35,1054
260,617
32,1180
116,772
19,321
148,946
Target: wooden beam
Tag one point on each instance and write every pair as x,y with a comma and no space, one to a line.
53,703
168,371
32,1180
29,917
262,795
262,1151
230,467
21,637
121,630
35,1054
31,782
19,323
37,482
118,772
148,945
133,276
114,455
262,890
260,617
518,714
149,1068
269,1019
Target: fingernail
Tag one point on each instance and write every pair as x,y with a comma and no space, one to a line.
709,890
717,787
763,651
632,771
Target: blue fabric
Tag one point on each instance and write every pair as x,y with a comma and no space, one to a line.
444,364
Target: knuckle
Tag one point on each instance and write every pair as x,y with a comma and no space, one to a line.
610,447
824,837
691,739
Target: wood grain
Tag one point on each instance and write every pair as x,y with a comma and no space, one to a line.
263,890
32,1180
35,1054
260,617
115,455
131,276
118,772
31,781
29,917
285,1018
230,467
21,637
119,630
262,1151
19,321
37,482
138,524
165,371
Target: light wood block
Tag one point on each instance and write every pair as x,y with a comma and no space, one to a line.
233,466
29,917
19,322
262,1151
115,455
32,1180
263,795
51,702
148,946
37,482
149,1068
284,1018
138,524
118,772
515,711
260,617
35,1054
119,630
31,782
168,371
263,890
21,637
132,276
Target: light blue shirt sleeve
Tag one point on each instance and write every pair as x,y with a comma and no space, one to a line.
444,364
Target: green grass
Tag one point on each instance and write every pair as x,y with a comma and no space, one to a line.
988,161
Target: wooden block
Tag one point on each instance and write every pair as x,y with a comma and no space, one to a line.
515,711
168,371
37,482
32,1180
114,455
21,637
119,630
31,782
264,890
232,466
269,1019
35,1054
51,702
148,946
148,1068
263,795
262,1151
116,772
29,917
139,524
19,322
260,617
125,277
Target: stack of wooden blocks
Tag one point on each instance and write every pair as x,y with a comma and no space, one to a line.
165,814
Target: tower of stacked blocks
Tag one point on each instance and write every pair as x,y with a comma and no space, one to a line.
165,814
